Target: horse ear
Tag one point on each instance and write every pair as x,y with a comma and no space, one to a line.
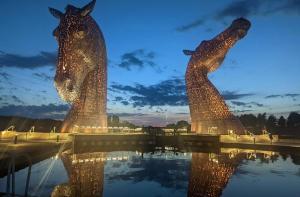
188,52
56,13
88,8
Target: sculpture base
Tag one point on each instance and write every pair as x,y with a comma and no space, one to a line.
220,126
90,124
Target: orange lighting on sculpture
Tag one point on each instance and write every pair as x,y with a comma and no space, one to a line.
209,176
85,172
81,74
207,107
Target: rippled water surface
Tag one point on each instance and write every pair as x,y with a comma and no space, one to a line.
163,173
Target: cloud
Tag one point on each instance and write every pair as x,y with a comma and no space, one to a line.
248,104
257,104
242,111
4,75
290,95
43,76
232,95
138,58
242,8
247,8
171,92
36,111
175,177
182,113
127,114
17,99
238,103
27,62
189,26
13,98
273,96
288,7
118,98
125,103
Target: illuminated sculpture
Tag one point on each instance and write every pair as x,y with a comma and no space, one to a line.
207,107
210,174
81,74
85,173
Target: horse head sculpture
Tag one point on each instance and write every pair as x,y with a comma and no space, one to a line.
210,53
207,107
81,67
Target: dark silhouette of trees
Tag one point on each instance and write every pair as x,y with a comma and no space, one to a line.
271,124
293,120
249,121
179,125
261,121
113,120
252,123
256,124
182,124
282,126
171,126
281,122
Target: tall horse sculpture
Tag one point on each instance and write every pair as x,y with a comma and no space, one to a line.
207,107
81,73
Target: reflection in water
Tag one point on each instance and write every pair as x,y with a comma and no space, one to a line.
85,172
209,174
164,173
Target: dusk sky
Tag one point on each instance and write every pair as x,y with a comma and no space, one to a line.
146,68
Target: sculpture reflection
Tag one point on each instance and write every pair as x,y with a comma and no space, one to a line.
85,172
209,174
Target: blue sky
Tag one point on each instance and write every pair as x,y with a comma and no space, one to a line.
146,67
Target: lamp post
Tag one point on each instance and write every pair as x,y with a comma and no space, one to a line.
16,139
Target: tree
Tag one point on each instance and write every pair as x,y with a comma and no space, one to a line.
127,124
293,120
182,124
271,123
171,126
261,121
249,121
282,122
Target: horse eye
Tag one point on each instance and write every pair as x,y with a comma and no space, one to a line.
55,32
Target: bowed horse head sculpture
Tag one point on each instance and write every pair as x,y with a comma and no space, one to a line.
210,53
207,107
81,72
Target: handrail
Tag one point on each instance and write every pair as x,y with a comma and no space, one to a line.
12,127
250,133
11,172
53,130
31,130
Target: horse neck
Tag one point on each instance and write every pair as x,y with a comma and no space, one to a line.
93,96
196,74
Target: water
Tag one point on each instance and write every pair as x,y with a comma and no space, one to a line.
164,173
